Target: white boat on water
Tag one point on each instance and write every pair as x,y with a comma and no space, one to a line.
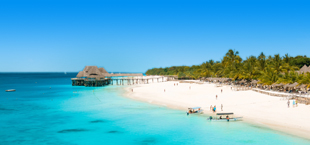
227,117
10,90
194,110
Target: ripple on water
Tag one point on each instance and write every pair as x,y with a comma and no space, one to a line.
97,121
72,130
5,109
147,141
113,131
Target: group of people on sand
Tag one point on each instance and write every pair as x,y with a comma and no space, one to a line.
214,108
295,103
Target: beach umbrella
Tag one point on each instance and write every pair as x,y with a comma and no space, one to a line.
242,81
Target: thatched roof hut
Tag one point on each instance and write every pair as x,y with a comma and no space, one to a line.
226,79
91,72
277,85
242,81
100,73
304,69
302,86
219,79
291,85
254,81
280,85
80,74
102,70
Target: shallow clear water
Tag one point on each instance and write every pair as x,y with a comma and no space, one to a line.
46,109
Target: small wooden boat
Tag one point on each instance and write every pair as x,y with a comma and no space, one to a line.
227,117
10,90
194,110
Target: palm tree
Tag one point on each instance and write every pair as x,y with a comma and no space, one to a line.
277,63
286,58
305,79
288,78
262,61
249,70
269,76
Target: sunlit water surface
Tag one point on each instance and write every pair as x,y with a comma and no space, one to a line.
46,109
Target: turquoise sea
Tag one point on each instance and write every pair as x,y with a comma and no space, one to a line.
46,109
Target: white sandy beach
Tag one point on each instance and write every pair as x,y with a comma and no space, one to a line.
254,107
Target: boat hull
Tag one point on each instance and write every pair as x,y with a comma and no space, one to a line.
11,90
225,120
196,112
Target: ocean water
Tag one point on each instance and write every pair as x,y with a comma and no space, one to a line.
46,109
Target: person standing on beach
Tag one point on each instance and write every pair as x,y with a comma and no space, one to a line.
293,103
131,90
189,87
296,103
222,107
214,108
216,97
174,84
221,90
164,90
211,107
288,103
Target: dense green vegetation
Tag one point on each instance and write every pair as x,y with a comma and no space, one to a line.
267,69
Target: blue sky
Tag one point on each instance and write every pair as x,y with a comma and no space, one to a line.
133,36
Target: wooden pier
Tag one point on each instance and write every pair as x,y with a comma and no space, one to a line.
120,81
92,76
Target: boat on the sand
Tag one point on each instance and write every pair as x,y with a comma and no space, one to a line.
194,110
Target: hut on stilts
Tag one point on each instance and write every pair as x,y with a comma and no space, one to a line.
92,76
